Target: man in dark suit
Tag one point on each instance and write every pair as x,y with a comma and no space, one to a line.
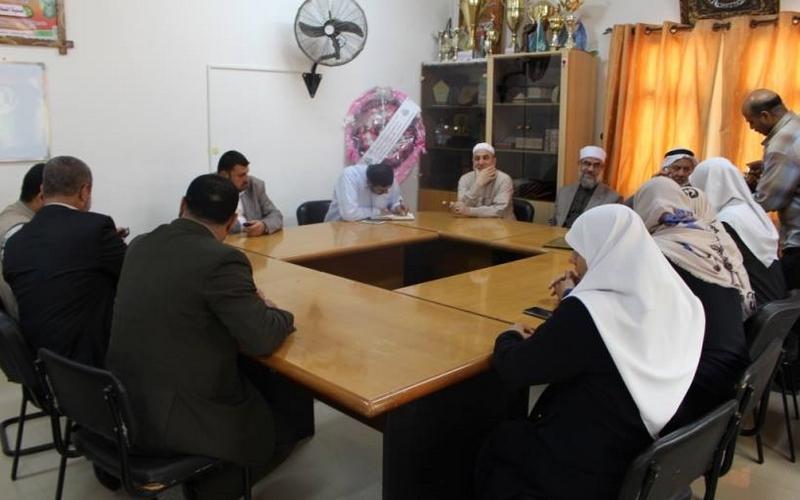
589,192
257,214
63,267
186,307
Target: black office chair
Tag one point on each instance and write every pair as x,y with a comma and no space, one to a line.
523,210
753,397
17,362
774,321
106,431
673,462
312,212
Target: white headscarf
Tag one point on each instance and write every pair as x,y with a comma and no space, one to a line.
729,195
650,321
692,242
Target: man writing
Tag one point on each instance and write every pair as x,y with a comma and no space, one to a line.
365,191
486,191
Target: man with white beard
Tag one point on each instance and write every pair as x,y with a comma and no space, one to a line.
573,200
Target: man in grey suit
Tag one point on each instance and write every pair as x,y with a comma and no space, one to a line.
257,214
573,200
186,308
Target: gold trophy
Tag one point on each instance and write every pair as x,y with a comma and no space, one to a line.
470,9
570,20
556,22
538,12
513,20
490,36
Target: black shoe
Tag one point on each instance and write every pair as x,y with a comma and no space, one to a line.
108,480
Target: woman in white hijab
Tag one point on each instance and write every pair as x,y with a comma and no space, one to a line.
618,359
746,222
711,265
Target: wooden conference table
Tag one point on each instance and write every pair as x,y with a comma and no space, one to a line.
414,362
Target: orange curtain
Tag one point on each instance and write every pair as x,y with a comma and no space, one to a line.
757,56
659,96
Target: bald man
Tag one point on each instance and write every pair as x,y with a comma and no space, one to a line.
778,188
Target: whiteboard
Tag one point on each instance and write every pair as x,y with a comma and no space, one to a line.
294,143
24,131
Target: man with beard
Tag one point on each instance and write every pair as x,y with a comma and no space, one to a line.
573,200
485,191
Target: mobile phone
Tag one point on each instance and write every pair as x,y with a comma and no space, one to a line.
248,224
538,312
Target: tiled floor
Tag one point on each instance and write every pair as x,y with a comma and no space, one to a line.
343,461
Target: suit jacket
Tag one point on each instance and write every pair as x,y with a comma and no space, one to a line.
603,195
186,306
257,206
11,217
63,268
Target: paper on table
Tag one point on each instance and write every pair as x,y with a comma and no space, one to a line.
559,242
408,216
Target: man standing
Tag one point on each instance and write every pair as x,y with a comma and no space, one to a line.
63,267
486,191
257,214
12,218
186,307
777,189
364,191
589,192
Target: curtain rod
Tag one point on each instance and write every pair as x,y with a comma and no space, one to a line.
754,23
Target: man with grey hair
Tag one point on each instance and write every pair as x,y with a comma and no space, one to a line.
485,191
779,187
63,267
589,192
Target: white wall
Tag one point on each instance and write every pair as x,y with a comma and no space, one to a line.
130,98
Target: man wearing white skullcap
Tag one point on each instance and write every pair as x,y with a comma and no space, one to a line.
573,200
486,191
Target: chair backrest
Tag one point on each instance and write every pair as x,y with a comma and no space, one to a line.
758,376
523,210
671,463
17,360
93,398
774,320
312,212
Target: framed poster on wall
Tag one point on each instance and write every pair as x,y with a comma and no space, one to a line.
34,22
24,130
692,10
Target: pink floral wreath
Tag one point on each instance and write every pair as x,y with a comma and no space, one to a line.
366,118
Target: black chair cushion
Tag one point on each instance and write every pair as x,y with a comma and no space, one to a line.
312,212
150,473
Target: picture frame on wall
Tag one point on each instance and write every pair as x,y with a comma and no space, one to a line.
40,23
692,10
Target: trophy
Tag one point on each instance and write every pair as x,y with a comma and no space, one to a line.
490,36
570,20
556,22
538,13
513,20
469,9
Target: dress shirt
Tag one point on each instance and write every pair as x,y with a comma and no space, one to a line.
353,199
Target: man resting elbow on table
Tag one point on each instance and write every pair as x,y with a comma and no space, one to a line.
486,191
364,192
